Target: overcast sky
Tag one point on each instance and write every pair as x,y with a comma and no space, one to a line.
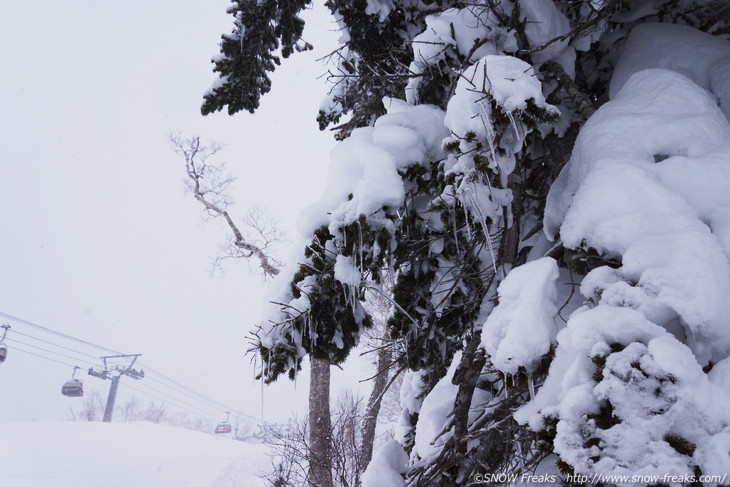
98,239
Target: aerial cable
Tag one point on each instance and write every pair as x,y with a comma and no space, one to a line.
212,401
56,345
49,351
180,400
167,400
208,402
198,414
41,356
48,330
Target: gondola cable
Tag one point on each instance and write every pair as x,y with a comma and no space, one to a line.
175,386
55,345
53,332
200,410
13,347
50,351
212,401
198,414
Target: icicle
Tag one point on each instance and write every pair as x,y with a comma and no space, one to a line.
456,234
483,222
268,363
352,297
488,127
467,222
359,232
531,385
296,367
255,364
346,293
520,457
519,133
312,334
262,401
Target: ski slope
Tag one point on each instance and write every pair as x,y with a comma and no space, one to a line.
83,454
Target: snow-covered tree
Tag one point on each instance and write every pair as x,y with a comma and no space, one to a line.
548,180
247,54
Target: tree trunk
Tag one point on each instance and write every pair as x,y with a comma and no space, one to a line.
376,398
319,455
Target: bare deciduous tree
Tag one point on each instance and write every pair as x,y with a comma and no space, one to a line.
155,413
91,409
209,183
292,449
129,411
242,429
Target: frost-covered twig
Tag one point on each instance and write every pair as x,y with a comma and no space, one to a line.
208,185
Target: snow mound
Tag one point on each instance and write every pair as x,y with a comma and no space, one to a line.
509,80
364,173
656,390
648,164
386,467
521,329
431,430
702,57
74,454
626,392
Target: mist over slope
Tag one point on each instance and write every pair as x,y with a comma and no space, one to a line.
76,454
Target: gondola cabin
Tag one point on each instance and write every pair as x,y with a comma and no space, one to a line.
223,428
73,388
3,353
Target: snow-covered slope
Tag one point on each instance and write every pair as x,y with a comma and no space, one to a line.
75,454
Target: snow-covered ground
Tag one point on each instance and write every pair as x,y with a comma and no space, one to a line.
83,454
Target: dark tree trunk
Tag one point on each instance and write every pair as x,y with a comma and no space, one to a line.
319,455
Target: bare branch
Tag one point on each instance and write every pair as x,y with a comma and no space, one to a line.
208,184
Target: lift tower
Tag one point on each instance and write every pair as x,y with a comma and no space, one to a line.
114,372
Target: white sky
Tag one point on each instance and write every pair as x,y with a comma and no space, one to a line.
98,239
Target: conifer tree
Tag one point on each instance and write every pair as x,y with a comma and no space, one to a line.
466,158
248,54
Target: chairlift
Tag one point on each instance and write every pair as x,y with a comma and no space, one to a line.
73,387
3,347
224,426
